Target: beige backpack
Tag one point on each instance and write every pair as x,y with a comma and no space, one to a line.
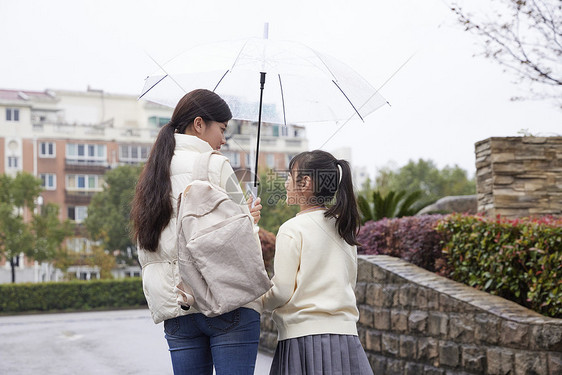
220,259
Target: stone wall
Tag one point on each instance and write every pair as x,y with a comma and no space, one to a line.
413,322
519,176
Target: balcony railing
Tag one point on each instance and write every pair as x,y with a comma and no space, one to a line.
95,131
268,143
78,198
86,166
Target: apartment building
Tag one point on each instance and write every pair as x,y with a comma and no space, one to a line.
69,139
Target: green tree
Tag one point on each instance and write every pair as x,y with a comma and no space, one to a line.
49,233
38,236
524,37
102,258
109,212
424,176
15,236
273,199
65,258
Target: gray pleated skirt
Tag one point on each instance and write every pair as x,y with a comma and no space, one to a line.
321,354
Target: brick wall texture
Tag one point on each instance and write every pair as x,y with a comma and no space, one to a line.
413,322
519,176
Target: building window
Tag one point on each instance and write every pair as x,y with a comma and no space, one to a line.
78,153
77,213
84,182
158,122
47,150
78,244
48,181
13,162
249,160
132,274
133,153
270,160
12,114
288,158
233,157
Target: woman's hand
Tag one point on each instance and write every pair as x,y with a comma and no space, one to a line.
255,211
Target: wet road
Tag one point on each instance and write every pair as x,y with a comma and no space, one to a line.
107,342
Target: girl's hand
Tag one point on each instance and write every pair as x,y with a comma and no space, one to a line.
255,211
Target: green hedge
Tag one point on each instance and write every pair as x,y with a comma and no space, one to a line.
72,295
520,260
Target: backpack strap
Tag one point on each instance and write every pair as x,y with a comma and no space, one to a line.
201,167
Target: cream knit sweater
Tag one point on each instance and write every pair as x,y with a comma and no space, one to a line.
314,282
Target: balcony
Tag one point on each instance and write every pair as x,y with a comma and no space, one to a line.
78,198
38,128
240,140
267,143
106,130
85,166
294,142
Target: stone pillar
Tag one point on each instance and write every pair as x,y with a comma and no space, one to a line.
519,176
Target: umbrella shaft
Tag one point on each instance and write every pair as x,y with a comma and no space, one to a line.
262,83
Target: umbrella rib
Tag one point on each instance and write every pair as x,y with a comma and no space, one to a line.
238,56
220,80
324,63
164,70
389,78
151,87
355,109
282,99
376,92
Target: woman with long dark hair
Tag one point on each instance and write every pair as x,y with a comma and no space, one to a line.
228,342
313,298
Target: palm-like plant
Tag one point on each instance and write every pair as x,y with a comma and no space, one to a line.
394,204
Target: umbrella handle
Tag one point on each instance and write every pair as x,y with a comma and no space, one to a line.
262,83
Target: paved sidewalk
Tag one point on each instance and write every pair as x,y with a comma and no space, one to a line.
106,342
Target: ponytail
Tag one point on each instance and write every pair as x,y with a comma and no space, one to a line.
152,209
345,209
331,179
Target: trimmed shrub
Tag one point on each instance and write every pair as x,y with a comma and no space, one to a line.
72,295
520,260
412,238
93,294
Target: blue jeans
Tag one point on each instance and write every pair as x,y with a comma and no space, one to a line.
229,341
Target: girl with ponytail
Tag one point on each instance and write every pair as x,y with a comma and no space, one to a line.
313,298
227,342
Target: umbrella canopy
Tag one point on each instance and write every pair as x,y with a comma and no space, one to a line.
300,85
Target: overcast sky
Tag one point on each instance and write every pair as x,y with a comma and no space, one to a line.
442,101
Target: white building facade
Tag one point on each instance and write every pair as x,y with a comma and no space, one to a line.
70,139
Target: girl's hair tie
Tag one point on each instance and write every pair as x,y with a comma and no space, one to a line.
340,170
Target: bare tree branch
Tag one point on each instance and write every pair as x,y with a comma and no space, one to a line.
523,36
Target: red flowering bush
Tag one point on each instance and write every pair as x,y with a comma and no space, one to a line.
411,238
267,240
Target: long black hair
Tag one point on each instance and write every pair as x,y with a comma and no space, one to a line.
152,208
329,183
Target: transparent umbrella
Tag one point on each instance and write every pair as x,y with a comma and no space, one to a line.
264,80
